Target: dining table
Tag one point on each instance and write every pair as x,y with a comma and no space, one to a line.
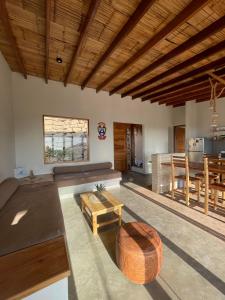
199,166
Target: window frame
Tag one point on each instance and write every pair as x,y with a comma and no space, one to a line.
66,161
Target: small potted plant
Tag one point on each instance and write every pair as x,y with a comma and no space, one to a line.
100,188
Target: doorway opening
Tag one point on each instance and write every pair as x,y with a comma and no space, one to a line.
128,146
179,139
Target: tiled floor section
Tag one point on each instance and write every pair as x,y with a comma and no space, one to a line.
193,266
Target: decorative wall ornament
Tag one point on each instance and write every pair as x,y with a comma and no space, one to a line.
101,131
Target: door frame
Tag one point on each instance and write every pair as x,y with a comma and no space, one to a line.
174,135
132,154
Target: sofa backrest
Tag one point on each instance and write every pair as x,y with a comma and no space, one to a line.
7,189
82,168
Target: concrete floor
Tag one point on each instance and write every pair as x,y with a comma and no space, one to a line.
144,180
193,265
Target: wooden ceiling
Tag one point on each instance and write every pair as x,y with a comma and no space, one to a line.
159,50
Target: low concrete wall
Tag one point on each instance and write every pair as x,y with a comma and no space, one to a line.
70,191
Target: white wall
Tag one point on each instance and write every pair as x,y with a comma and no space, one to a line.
178,116
191,118
33,98
7,157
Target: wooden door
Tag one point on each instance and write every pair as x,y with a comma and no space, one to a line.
179,139
120,146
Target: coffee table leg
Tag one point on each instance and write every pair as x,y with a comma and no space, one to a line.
120,216
94,224
82,206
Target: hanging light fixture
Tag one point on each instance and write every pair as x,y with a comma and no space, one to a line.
212,105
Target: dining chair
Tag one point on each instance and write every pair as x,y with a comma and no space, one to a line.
215,187
212,176
182,161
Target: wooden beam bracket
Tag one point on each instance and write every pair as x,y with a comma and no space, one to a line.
216,77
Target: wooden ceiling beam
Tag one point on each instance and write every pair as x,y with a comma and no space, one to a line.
185,14
189,83
177,89
47,36
194,40
203,99
180,104
210,66
8,29
83,34
191,96
203,96
140,11
187,93
198,99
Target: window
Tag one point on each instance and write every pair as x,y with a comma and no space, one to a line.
65,139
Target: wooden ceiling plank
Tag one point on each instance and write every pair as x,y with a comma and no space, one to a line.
185,14
8,29
140,11
194,40
82,37
193,81
210,66
47,37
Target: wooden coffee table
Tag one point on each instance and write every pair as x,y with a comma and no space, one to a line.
103,205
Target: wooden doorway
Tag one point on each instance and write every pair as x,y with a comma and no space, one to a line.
179,139
127,146
120,146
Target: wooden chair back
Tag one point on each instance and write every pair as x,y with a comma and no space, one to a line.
176,162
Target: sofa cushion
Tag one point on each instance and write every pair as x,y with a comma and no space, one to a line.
31,216
7,189
64,180
82,168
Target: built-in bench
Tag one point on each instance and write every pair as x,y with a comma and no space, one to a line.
32,232
32,239
82,178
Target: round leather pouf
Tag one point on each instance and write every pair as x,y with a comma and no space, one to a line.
139,252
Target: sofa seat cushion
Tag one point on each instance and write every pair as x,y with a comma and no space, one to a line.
7,188
81,168
31,216
63,180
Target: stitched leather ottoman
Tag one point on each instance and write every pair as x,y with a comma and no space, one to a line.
139,252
